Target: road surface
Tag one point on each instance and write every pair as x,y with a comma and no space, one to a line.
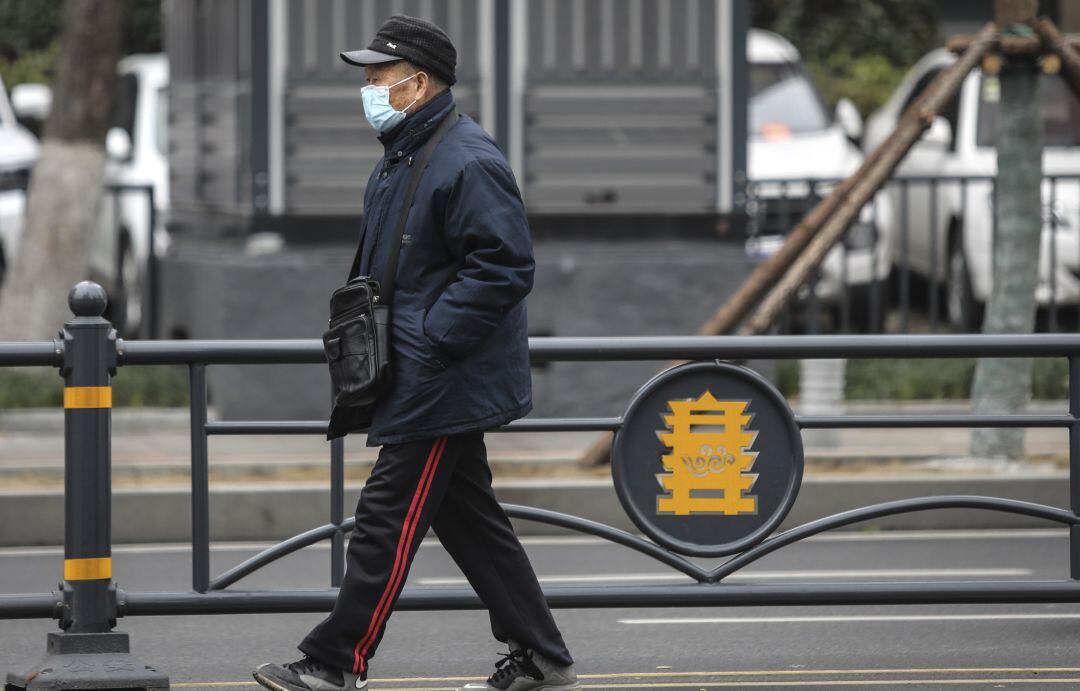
1000,646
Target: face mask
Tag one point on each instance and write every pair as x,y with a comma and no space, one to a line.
377,108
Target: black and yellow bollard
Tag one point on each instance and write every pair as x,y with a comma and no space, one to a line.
87,653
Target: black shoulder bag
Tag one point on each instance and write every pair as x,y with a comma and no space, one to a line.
357,342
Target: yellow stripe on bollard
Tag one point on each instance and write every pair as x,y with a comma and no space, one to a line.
88,397
87,569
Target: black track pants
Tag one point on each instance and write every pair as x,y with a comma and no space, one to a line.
445,484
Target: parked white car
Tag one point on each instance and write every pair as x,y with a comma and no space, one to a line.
18,154
795,143
137,149
949,238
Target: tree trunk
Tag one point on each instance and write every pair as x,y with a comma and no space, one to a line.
66,188
1004,385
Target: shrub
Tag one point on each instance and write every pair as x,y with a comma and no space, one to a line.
29,31
919,379
157,386
854,48
867,80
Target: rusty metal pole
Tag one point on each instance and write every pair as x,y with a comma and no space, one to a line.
735,309
826,223
869,178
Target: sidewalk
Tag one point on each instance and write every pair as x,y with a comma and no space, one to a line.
267,487
156,444
153,445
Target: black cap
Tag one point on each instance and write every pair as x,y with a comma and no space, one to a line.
409,38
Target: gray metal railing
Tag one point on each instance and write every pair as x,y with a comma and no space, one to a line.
88,353
928,214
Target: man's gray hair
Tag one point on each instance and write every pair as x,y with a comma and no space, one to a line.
407,68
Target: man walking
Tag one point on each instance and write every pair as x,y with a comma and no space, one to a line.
460,366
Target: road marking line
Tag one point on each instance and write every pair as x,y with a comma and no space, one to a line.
722,674
852,619
776,673
825,682
733,684
757,575
973,534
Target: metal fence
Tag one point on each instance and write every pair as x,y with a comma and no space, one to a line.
88,353
932,237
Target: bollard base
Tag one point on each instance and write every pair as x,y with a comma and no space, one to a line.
87,661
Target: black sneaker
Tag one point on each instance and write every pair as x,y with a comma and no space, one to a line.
308,674
524,670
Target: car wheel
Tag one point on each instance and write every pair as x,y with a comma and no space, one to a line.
963,310
869,304
129,298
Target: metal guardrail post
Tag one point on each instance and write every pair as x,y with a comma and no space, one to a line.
200,482
1074,464
88,654
337,510
153,288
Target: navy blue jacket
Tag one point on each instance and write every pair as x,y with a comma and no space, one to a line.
459,340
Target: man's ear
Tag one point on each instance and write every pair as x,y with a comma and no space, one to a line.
423,85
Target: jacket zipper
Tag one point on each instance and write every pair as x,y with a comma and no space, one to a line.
348,315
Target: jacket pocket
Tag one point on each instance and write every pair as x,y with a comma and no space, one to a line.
350,353
434,355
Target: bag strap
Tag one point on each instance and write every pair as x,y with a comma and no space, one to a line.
354,270
419,164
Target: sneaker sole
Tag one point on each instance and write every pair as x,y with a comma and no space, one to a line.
276,685
273,684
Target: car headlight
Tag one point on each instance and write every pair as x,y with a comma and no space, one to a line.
862,235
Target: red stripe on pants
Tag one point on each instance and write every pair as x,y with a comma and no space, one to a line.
401,559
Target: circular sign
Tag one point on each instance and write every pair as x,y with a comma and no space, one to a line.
708,460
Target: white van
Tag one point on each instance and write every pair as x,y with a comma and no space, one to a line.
18,154
137,148
950,172
137,163
794,145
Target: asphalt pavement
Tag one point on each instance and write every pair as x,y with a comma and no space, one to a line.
1033,646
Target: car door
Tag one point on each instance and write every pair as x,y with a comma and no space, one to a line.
923,161
924,201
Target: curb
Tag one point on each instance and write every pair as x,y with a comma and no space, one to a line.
254,512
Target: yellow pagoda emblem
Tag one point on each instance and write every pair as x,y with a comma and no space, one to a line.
708,469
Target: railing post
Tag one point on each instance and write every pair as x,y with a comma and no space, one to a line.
337,510
200,482
150,301
1074,464
88,654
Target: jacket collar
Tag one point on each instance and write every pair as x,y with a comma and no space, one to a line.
411,134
